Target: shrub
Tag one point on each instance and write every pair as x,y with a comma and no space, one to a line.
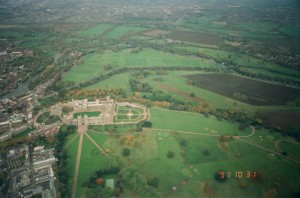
126,152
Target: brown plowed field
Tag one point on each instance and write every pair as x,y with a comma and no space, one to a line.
258,92
282,120
196,37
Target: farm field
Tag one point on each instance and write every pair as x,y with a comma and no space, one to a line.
94,63
196,37
177,85
228,85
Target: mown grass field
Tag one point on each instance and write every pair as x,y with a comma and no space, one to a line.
123,30
72,149
96,31
115,82
193,122
89,114
248,62
94,63
91,161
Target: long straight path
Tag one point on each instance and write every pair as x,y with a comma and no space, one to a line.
77,166
101,149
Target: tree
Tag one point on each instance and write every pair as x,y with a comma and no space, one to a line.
146,124
126,152
192,95
170,154
100,181
206,152
153,181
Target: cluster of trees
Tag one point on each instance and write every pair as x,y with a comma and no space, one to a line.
97,182
137,86
131,176
62,157
82,93
250,74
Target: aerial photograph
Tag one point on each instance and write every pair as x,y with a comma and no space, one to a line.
149,98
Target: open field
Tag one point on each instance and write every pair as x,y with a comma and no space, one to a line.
248,62
256,92
91,161
96,31
120,81
176,85
197,159
282,120
196,37
94,63
123,30
193,122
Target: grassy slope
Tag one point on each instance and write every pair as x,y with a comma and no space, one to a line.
97,30
115,82
185,121
93,64
177,81
119,31
89,163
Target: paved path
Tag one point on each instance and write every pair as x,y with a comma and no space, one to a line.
101,149
72,140
202,134
77,166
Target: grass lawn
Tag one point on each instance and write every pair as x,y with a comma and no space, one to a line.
94,63
72,156
241,59
193,122
97,30
89,114
91,161
115,82
122,30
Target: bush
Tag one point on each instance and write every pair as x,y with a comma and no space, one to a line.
206,152
170,154
146,124
126,152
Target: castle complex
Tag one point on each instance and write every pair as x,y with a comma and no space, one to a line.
106,107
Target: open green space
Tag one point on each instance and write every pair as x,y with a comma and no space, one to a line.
123,30
94,63
120,81
176,85
91,161
193,122
89,114
96,31
246,61
71,149
291,148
